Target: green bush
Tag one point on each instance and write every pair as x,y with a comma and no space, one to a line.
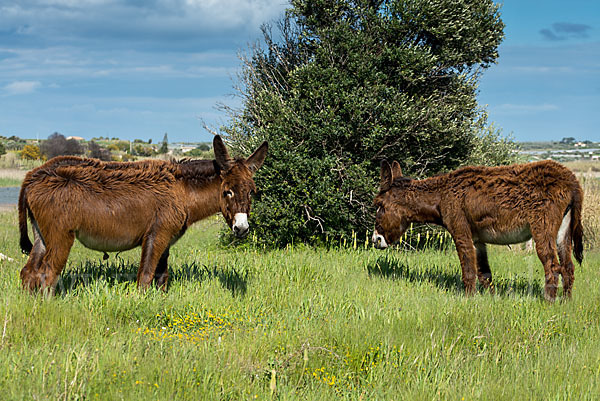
347,84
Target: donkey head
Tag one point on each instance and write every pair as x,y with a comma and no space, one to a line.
392,218
237,185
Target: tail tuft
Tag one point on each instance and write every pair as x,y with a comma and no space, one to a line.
576,226
24,242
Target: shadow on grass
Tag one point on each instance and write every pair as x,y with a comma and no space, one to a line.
120,271
392,268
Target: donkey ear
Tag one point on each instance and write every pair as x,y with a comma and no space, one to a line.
386,175
396,170
221,154
257,158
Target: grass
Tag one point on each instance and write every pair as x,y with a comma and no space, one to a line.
298,323
11,177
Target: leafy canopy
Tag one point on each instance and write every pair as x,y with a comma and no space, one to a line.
344,84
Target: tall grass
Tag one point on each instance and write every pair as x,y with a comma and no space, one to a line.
591,210
299,323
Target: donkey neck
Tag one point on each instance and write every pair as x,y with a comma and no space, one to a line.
201,184
202,200
424,198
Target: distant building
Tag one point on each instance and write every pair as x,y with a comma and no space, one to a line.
77,138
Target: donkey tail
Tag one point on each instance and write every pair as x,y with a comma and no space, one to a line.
22,206
576,226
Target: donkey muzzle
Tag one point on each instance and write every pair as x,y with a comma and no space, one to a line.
379,241
240,225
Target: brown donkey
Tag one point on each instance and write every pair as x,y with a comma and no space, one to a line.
110,206
490,205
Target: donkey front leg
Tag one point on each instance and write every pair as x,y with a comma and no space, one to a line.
153,247
466,255
463,240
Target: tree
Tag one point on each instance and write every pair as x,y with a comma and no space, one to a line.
568,140
98,152
142,150
164,147
2,149
203,151
57,145
350,83
31,152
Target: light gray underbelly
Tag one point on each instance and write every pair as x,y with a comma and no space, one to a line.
491,236
106,244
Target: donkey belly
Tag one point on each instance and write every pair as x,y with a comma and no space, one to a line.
514,236
106,244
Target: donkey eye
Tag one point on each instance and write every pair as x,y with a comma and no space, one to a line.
227,194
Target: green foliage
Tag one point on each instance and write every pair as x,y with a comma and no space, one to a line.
202,151
347,84
13,142
141,150
2,149
164,147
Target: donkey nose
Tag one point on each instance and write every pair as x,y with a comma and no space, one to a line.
240,231
379,241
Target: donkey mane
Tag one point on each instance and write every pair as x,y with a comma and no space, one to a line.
195,171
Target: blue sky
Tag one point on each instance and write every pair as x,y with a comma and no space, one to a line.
137,69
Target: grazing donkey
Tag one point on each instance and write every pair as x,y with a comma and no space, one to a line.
111,207
493,205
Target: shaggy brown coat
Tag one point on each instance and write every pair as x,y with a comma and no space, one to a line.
494,205
111,206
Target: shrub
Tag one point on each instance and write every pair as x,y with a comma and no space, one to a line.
31,152
350,83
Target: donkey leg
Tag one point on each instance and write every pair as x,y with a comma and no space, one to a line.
466,255
153,247
29,278
484,273
567,269
161,275
58,247
545,246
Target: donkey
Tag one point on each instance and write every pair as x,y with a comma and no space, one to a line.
490,205
111,207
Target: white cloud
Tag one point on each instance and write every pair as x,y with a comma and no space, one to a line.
21,87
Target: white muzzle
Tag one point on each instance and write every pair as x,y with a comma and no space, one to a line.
240,224
379,241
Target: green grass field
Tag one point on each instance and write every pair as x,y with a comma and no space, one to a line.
298,324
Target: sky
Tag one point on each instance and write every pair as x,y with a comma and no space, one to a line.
137,69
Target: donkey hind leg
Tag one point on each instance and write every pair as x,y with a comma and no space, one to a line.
545,246
161,275
29,277
484,273
564,244
58,246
